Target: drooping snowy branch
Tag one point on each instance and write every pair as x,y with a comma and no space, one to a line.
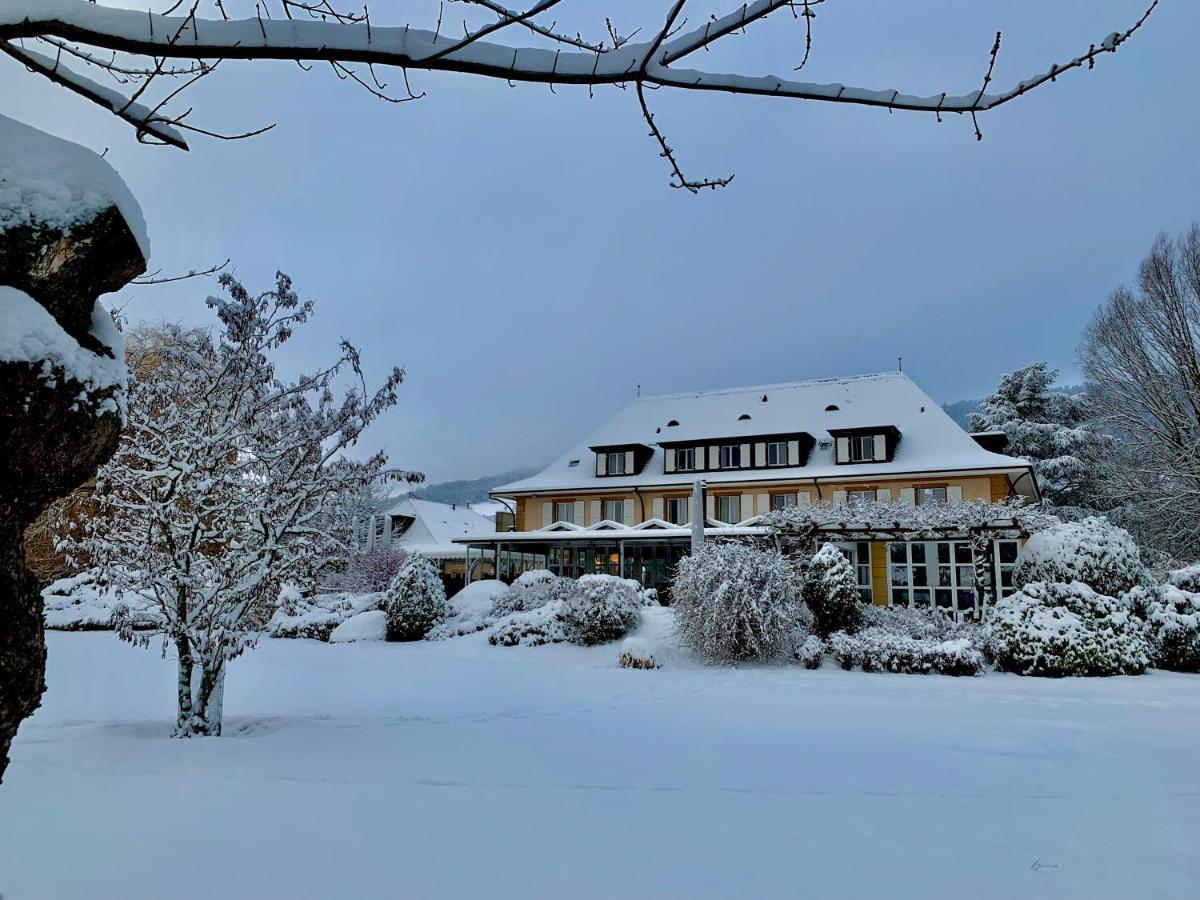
317,31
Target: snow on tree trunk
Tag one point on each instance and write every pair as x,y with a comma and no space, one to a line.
69,232
228,484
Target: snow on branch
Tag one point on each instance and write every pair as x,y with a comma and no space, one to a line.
935,520
315,30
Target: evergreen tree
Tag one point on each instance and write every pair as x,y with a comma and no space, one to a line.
415,602
831,592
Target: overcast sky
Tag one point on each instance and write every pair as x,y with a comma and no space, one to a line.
520,254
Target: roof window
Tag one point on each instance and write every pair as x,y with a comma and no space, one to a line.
672,423
832,407
744,417
572,464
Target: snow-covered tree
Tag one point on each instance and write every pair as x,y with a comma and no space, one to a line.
415,601
67,41
532,590
831,592
220,489
735,602
371,571
1048,428
601,608
1172,624
1141,354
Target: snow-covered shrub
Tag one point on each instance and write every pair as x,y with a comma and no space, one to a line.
1171,618
811,652
601,608
533,628
922,624
365,626
831,592
469,610
733,602
1056,630
532,590
316,617
1093,551
637,653
1186,579
879,650
80,603
415,601
371,571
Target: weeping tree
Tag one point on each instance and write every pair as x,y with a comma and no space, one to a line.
225,484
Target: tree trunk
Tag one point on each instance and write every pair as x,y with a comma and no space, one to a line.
49,443
201,696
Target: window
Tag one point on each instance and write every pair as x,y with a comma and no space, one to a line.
1006,561
685,459
572,464
859,555
929,496
933,573
866,495
862,448
615,463
564,511
614,510
731,456
777,453
677,510
729,509
782,501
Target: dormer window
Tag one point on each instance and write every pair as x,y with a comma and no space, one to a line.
777,453
731,456
621,459
614,464
865,445
685,459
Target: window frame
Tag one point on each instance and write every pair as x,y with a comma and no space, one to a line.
730,451
789,497
728,498
554,511
919,490
852,492
781,448
958,565
605,509
858,441
679,456
686,503
609,457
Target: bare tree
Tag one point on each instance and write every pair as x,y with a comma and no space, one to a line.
1141,353
154,58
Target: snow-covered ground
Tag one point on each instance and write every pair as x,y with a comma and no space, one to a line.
453,768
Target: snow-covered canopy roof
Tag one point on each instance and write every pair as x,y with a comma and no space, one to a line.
930,441
435,526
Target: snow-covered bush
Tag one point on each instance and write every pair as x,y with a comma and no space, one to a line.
415,601
365,626
601,608
79,603
316,617
1186,579
371,571
811,652
469,611
831,592
879,650
1056,630
1171,617
532,590
637,653
733,603
922,624
1093,551
533,628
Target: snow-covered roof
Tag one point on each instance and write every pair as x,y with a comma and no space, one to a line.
435,526
930,441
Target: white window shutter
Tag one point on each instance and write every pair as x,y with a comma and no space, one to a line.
597,512
631,510
578,512
804,498
547,514
843,449
954,494
687,507
714,457
793,453
839,498
628,462
747,509
880,448
669,459
908,495
883,494
760,455
387,531
601,463
745,455
710,506
762,503
656,507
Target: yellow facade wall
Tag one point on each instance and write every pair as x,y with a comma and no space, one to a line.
879,573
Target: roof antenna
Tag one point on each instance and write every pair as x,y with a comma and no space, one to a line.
639,390
899,363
